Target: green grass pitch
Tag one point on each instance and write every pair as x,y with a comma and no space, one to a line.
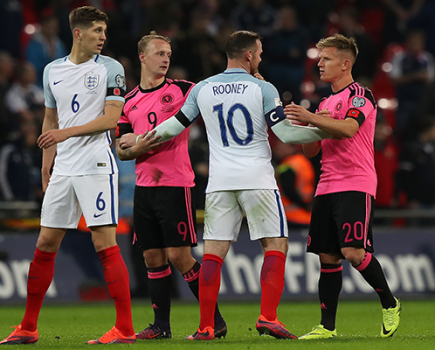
358,326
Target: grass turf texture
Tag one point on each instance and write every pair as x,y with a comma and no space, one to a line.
358,326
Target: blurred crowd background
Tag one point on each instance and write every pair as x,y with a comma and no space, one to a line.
396,39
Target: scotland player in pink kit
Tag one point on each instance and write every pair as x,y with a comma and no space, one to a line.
164,217
341,222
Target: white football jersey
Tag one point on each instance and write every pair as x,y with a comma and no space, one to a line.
79,92
233,105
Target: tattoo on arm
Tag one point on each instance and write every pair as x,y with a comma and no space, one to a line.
117,105
126,153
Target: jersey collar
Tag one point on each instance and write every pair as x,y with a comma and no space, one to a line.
154,88
235,71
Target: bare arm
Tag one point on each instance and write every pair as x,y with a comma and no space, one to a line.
48,154
337,128
109,120
127,148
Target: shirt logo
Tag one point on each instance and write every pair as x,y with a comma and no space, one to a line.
57,82
92,81
338,106
98,215
166,99
133,108
358,102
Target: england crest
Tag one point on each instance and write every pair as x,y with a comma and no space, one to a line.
91,81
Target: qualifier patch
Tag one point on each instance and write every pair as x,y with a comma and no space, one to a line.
358,102
120,80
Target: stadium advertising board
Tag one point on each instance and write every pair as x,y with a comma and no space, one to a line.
408,258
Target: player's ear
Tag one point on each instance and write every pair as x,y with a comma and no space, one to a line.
77,33
248,55
346,64
141,57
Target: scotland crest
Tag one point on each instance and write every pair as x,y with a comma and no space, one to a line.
91,81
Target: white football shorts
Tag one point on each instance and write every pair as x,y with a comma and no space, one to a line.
67,197
263,209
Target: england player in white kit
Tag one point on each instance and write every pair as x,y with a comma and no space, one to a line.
79,93
236,108
84,99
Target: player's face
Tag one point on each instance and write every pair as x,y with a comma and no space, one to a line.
330,65
157,57
94,37
256,58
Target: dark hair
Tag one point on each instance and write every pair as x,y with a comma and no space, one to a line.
240,42
341,43
145,40
84,17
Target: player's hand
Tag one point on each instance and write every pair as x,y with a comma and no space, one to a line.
127,140
147,142
325,113
52,137
258,76
298,114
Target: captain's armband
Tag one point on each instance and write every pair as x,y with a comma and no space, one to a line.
275,116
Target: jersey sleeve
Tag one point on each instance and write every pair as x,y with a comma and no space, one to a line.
50,101
124,126
361,104
272,105
190,108
116,85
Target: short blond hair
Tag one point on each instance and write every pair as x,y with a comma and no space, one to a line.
145,40
341,43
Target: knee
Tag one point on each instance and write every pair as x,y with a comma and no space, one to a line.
154,258
47,245
99,244
354,256
279,244
182,260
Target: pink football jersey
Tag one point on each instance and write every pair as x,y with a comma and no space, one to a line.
348,164
168,165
